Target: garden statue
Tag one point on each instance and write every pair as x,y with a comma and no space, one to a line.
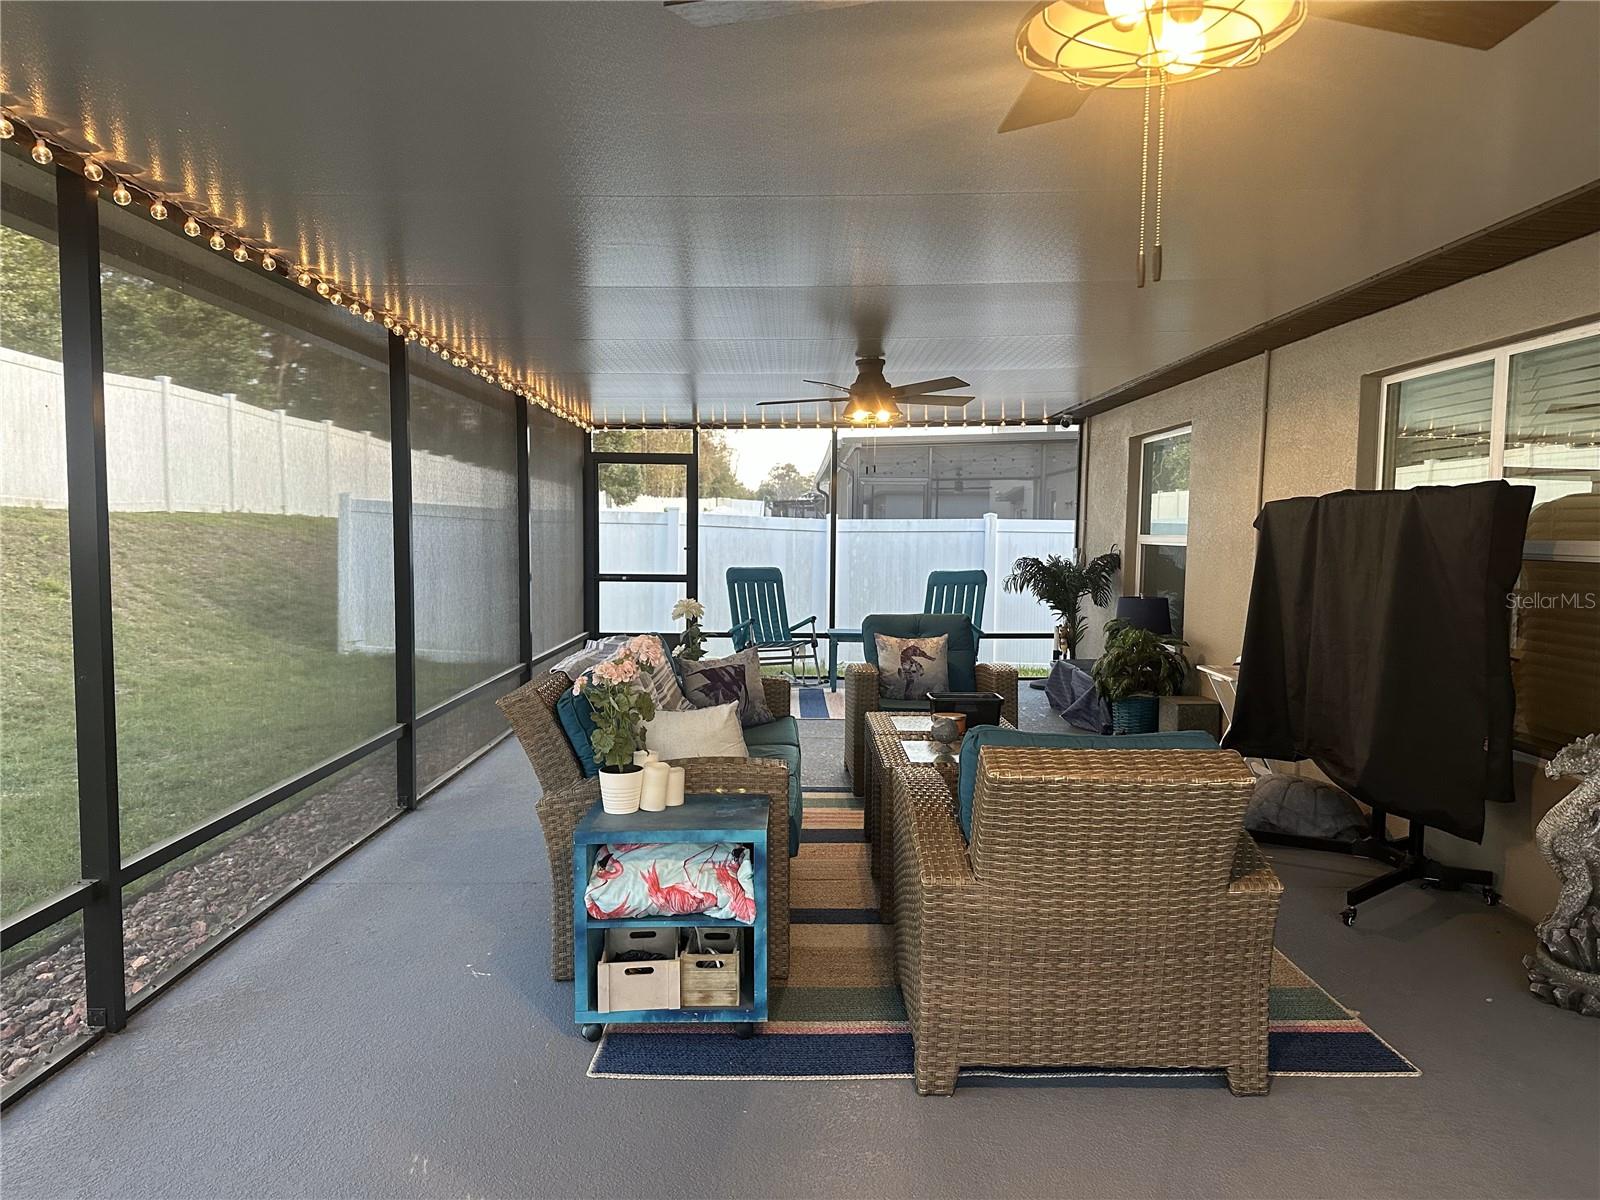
1564,968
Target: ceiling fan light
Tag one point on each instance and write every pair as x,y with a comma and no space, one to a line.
1141,43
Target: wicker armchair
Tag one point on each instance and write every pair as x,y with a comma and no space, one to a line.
1110,911
861,696
565,795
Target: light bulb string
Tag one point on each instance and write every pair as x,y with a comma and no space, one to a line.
48,151
1161,154
1144,175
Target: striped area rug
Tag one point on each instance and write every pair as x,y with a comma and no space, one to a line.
816,704
840,1016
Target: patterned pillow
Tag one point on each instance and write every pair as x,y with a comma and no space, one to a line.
910,668
592,655
735,679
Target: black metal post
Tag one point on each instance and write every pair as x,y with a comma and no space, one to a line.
691,503
89,554
591,540
405,611
524,545
833,529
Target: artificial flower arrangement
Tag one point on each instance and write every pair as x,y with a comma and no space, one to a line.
619,708
692,644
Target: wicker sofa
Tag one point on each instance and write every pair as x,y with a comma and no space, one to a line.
862,693
1109,911
565,795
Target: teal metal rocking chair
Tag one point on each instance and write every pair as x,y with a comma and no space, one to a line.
761,619
958,592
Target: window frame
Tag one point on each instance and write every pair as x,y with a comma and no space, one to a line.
1500,402
1143,539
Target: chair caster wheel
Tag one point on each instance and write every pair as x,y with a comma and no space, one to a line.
1348,916
744,1030
1491,897
591,1033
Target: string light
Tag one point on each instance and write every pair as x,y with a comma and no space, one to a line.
44,153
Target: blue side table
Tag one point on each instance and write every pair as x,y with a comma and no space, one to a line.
709,818
836,638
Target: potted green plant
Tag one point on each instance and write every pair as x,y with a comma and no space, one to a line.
619,709
1060,582
692,643
1134,670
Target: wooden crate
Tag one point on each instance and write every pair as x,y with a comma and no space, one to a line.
637,986
710,978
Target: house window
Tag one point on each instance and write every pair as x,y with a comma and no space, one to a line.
1164,519
1528,413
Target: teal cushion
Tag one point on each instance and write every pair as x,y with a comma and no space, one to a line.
784,731
577,722
962,647
790,755
994,735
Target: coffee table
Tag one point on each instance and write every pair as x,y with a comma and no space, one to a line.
898,740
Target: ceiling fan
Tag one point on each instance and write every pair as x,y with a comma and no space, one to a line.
1053,93
870,400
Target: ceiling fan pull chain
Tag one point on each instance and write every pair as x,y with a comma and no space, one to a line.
1144,174
1161,160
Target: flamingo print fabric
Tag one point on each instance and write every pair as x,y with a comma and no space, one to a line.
910,668
635,879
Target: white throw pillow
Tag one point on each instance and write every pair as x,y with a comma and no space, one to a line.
697,733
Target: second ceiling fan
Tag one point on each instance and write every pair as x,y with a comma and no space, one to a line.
871,400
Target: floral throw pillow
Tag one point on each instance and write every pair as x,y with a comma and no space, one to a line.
910,668
672,879
732,680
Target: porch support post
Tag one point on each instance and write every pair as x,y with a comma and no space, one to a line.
89,556
405,611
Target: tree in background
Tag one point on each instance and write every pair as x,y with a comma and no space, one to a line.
626,482
784,482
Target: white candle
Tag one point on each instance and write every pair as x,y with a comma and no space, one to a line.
674,786
654,796
640,757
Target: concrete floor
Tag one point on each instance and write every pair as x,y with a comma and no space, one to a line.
391,1031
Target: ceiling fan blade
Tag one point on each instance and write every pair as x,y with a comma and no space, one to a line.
815,400
728,12
928,385
1042,101
1482,25
824,383
935,401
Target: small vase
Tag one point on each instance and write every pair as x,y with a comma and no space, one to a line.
620,788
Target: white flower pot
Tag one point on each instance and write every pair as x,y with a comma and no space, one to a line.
620,788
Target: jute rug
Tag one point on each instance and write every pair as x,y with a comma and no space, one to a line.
816,704
840,1016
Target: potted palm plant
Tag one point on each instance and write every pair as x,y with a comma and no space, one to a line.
1060,582
619,709
1134,670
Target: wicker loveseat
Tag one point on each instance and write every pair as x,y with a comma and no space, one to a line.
565,795
1110,911
862,693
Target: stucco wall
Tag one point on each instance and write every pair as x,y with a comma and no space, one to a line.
1302,421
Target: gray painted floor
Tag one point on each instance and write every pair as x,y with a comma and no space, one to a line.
391,1031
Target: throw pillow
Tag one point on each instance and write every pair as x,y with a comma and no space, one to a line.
697,733
735,679
592,655
910,668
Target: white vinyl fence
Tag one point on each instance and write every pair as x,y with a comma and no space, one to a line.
175,449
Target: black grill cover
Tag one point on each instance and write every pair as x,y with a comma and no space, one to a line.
1378,645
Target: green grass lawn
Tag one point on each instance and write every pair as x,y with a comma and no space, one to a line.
228,677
